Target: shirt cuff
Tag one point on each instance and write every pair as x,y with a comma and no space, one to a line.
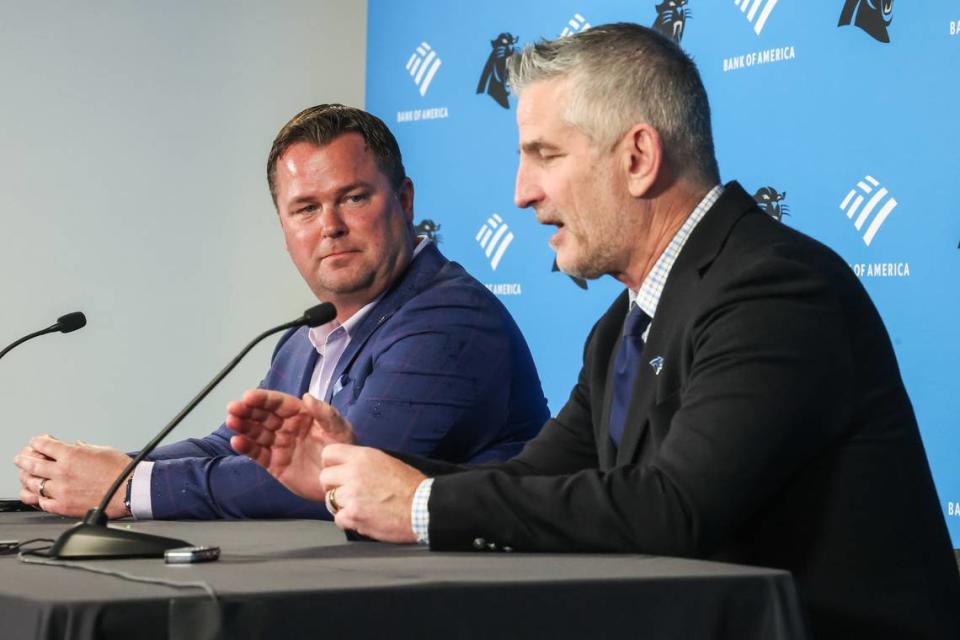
420,512
141,500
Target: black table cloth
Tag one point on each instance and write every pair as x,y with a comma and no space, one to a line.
298,578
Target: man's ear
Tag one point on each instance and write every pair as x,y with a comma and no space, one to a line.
641,151
405,196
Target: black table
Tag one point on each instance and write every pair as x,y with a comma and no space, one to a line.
298,578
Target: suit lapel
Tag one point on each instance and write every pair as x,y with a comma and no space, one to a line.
419,274
310,363
709,237
698,253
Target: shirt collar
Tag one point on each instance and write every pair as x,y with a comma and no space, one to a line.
318,335
648,296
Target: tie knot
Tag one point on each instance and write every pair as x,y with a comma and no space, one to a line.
636,322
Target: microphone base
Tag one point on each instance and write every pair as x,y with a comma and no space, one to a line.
95,540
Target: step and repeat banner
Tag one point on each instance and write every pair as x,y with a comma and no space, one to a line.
839,116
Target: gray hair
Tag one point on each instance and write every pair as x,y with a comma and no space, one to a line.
623,74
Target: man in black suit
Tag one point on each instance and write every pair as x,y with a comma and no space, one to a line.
759,418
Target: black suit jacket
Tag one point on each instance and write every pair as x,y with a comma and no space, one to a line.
776,432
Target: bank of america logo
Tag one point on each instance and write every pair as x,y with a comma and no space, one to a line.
422,66
576,24
494,237
870,192
757,11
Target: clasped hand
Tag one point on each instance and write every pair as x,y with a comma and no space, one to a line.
73,477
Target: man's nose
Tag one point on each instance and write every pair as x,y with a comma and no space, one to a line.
527,191
332,223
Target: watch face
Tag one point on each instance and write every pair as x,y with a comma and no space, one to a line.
126,499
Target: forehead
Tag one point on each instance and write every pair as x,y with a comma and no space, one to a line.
541,112
345,159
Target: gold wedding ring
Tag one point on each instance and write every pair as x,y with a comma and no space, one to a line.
332,501
40,492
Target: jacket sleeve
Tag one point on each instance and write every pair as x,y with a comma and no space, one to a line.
203,478
564,445
227,485
768,367
436,381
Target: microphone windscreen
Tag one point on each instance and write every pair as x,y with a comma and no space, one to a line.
72,321
320,314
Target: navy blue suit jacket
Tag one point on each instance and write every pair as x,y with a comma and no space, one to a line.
437,368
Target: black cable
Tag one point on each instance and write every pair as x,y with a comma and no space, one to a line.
10,548
27,557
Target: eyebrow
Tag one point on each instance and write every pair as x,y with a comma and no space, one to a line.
535,146
359,184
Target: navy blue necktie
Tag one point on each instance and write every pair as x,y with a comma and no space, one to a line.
626,368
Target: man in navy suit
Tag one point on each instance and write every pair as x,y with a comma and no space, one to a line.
421,357
739,401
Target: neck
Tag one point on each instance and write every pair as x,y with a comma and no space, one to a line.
664,217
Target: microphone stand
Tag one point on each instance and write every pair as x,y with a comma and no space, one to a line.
92,538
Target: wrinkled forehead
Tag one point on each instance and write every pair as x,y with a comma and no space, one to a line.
543,104
546,116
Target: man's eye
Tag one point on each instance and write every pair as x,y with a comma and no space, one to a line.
306,209
357,198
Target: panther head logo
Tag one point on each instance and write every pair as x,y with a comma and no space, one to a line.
580,282
672,16
429,228
770,200
493,78
873,16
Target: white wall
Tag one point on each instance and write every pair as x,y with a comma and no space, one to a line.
133,140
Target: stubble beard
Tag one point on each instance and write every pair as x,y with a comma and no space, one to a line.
593,258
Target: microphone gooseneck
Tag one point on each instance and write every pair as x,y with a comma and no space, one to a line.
320,311
91,538
65,324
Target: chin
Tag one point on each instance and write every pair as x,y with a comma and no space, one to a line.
354,284
569,267
583,270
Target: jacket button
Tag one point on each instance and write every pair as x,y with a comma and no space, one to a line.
479,544
507,549
492,546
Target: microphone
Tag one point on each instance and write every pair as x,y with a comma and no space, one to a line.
71,322
64,324
92,538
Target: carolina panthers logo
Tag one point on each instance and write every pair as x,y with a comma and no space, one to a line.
672,16
580,282
873,16
771,202
429,228
493,78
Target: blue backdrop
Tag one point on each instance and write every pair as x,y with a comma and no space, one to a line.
838,115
